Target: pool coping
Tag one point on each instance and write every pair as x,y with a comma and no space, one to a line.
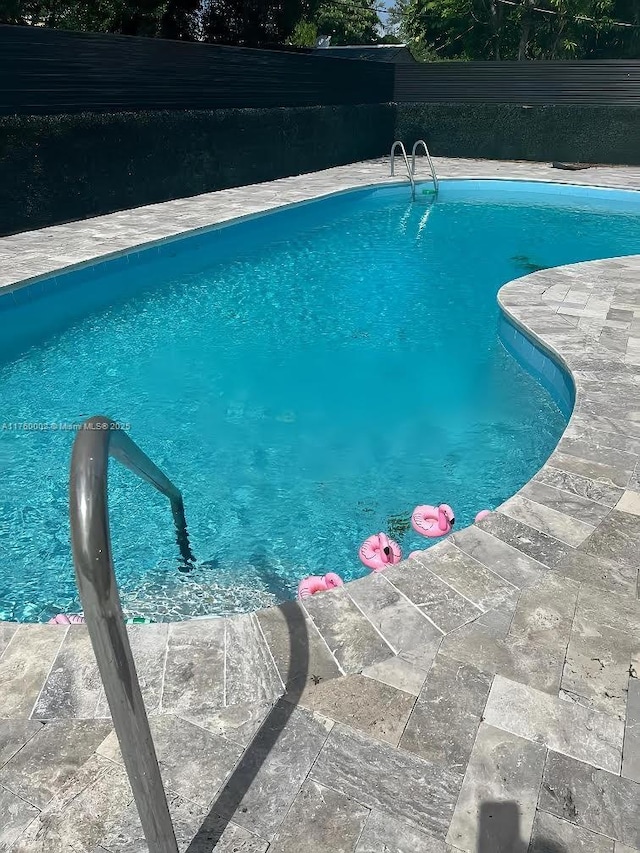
586,315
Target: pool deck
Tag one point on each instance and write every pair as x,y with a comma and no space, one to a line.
483,697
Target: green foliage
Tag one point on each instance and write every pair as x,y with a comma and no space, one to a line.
348,23
241,22
518,29
253,23
304,34
132,17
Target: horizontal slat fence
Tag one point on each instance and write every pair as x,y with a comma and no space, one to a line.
611,82
53,71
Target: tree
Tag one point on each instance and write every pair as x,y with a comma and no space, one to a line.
253,22
180,20
519,29
130,17
305,34
348,22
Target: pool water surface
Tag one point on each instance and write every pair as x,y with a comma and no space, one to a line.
306,378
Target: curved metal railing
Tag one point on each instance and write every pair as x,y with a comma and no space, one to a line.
398,144
97,439
430,161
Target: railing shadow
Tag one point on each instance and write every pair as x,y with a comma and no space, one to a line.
229,799
499,831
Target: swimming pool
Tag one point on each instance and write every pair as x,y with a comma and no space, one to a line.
305,378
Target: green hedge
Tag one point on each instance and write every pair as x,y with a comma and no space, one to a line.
59,168
593,134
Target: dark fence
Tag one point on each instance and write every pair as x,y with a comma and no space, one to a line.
53,71
611,82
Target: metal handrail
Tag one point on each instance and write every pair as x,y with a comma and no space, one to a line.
431,166
97,440
399,144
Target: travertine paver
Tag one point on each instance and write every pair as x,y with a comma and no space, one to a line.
591,798
401,623
193,826
445,607
148,644
597,665
445,719
14,734
469,578
490,683
72,688
44,765
505,561
551,834
250,673
384,834
563,726
194,667
78,817
541,517
502,768
353,640
534,543
264,785
320,819
193,761
366,704
16,816
24,666
526,645
375,774
408,670
631,754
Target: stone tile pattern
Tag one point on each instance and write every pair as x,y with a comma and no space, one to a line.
482,696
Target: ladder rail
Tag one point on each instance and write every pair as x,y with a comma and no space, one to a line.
429,160
398,144
98,439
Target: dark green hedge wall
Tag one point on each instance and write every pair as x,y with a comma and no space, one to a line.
58,168
586,134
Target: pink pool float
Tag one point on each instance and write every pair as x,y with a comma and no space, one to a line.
432,521
482,514
67,619
378,551
316,583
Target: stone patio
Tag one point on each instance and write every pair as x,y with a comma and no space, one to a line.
483,697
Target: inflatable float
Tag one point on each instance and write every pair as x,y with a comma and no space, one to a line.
432,521
78,619
316,583
378,551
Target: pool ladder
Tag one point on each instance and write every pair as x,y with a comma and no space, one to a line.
411,169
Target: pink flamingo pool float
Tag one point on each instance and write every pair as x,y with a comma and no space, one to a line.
432,521
67,619
378,551
315,583
482,514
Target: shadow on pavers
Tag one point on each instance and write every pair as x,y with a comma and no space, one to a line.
499,832
499,825
228,800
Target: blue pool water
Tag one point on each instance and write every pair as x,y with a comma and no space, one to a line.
305,378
